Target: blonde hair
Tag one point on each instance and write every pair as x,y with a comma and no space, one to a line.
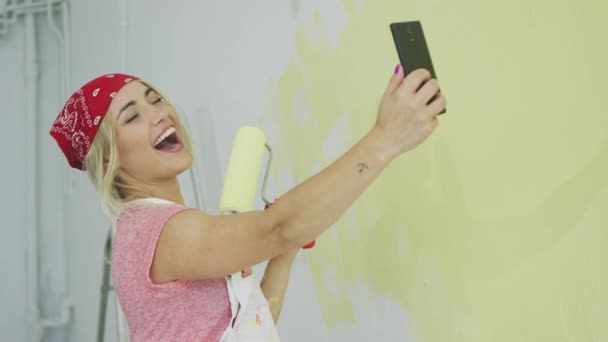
102,162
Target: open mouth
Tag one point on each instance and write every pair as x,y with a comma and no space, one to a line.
168,141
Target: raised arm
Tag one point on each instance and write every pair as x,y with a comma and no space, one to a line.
194,245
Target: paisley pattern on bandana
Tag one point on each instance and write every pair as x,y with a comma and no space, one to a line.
78,122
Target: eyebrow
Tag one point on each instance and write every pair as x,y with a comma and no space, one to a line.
132,103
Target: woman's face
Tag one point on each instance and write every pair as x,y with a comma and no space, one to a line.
149,143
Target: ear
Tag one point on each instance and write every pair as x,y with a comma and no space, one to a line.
106,161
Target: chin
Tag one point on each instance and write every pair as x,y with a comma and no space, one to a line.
172,152
185,166
180,163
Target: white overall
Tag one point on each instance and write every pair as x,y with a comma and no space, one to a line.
251,318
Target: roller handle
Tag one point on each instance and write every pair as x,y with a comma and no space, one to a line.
306,246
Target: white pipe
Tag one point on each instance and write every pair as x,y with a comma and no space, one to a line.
23,7
124,24
10,12
34,323
65,317
38,9
67,60
33,328
65,14
63,40
60,40
49,18
67,81
66,303
8,18
2,20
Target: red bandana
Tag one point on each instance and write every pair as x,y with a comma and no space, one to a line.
78,122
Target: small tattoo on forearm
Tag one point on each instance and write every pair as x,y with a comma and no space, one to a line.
362,166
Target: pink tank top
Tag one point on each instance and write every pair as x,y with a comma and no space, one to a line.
176,311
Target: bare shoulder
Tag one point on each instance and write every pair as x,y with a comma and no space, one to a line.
176,237
184,223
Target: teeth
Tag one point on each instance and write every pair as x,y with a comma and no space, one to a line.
164,136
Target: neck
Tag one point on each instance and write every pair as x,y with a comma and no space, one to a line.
167,189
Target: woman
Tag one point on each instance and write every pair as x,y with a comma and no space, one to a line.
170,263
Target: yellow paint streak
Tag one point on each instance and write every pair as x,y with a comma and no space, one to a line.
495,228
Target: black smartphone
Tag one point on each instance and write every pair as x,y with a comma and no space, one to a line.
412,48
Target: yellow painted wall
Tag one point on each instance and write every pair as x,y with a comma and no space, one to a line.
495,229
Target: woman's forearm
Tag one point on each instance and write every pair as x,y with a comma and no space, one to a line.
275,281
313,206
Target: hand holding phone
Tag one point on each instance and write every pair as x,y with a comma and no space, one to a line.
412,48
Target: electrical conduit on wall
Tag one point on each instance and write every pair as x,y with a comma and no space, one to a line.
35,324
61,281
32,328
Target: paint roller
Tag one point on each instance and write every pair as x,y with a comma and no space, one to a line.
240,185
243,172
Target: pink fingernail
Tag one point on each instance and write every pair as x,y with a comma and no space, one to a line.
397,68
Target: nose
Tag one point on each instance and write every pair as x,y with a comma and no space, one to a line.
158,115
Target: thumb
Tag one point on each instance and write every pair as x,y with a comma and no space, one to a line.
396,80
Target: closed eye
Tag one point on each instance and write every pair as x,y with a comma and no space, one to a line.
156,99
132,117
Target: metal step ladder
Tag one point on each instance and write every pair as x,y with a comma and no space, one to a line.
106,287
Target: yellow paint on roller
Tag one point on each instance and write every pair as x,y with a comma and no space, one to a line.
243,170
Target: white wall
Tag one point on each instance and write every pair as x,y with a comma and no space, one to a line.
12,258
16,136
217,58
214,59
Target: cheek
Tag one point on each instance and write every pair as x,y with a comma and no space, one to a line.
132,147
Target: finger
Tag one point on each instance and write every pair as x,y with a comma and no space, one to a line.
437,105
428,90
414,80
396,80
